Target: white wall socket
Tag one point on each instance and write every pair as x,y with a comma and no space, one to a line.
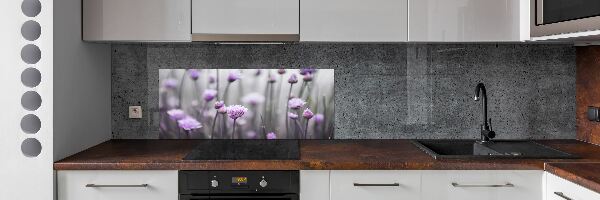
135,112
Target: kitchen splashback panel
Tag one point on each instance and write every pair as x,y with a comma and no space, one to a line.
246,103
381,90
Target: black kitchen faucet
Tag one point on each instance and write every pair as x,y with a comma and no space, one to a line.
486,128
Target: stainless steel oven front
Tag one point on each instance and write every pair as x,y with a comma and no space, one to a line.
554,17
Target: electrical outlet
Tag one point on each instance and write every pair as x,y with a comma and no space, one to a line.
135,112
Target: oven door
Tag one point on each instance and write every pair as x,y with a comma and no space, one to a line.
244,197
553,17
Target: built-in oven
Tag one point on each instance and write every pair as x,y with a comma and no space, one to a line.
554,17
237,185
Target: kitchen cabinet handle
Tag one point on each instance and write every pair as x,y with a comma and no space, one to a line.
492,185
560,194
114,186
376,184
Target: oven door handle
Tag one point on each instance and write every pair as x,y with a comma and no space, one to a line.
233,197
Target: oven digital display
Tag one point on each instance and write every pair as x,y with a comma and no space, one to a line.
239,180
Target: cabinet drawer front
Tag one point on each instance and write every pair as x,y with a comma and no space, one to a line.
560,189
117,185
482,185
245,16
377,185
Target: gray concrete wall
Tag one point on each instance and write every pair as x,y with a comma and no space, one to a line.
382,90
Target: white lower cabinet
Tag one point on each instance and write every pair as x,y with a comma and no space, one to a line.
117,185
482,185
314,185
560,189
375,185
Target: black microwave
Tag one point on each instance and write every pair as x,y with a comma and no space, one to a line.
556,17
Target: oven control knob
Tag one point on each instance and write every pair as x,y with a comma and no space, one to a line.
214,183
263,183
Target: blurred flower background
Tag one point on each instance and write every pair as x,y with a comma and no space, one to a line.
246,103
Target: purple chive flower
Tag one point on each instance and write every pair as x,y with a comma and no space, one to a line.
194,74
293,79
292,115
176,114
236,111
189,123
170,83
258,72
219,104
296,103
209,94
319,118
307,77
271,136
305,71
253,99
212,79
222,110
307,113
281,71
271,79
233,76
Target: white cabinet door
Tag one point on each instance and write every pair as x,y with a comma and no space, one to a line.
247,17
560,189
353,20
468,20
314,185
375,185
136,20
482,185
117,185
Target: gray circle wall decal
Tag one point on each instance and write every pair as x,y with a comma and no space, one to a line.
31,30
31,100
31,77
31,124
31,8
31,54
31,147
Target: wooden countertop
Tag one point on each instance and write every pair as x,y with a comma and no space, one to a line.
584,174
315,155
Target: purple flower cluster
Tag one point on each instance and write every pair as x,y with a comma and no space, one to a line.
176,114
236,111
271,136
219,104
194,74
293,79
209,94
308,114
296,103
170,83
306,71
189,123
233,76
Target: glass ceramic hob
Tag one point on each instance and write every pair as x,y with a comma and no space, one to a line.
245,150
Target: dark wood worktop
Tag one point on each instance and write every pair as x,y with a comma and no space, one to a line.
584,174
315,154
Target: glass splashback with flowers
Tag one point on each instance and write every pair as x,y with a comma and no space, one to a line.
246,103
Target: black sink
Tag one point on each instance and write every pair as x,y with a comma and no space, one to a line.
471,149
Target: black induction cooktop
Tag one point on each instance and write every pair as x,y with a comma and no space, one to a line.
245,150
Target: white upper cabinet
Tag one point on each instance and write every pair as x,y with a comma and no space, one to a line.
468,20
136,20
245,20
353,20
